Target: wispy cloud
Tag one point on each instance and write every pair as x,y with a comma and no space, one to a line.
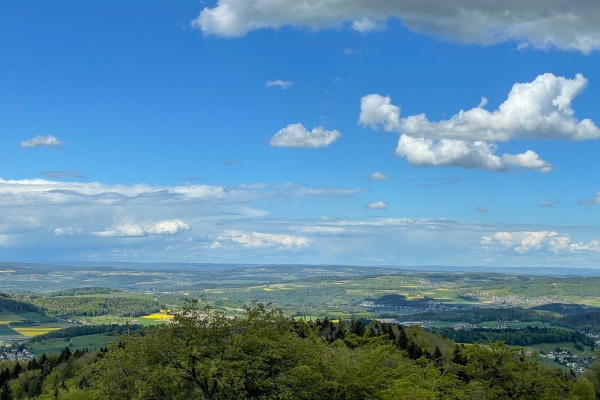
481,209
378,176
435,182
43,141
63,174
280,83
549,203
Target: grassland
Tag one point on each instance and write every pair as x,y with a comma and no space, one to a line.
80,342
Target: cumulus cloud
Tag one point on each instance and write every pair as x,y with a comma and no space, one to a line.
566,26
378,111
280,83
296,135
378,176
146,228
540,109
42,141
377,205
552,241
527,160
464,154
262,240
522,242
481,209
549,203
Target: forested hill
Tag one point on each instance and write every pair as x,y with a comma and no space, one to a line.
16,306
264,355
95,306
584,321
516,337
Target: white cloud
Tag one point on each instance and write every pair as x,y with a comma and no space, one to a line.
296,135
481,209
589,202
377,205
378,111
261,240
68,231
146,228
537,23
464,154
538,109
378,176
280,83
482,103
42,141
549,203
528,160
550,241
368,25
45,192
522,242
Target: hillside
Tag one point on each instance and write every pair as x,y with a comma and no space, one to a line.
264,355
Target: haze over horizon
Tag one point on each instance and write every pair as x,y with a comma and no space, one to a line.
251,131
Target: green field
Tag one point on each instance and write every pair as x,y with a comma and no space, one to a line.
9,316
5,330
80,342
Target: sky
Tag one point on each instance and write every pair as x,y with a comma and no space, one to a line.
381,132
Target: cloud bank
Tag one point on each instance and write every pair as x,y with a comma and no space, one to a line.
541,24
549,241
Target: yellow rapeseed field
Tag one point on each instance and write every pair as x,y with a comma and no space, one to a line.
158,316
34,331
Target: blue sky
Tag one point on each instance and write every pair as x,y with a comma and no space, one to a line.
147,131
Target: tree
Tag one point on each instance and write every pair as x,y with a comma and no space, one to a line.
16,371
584,390
402,339
5,392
